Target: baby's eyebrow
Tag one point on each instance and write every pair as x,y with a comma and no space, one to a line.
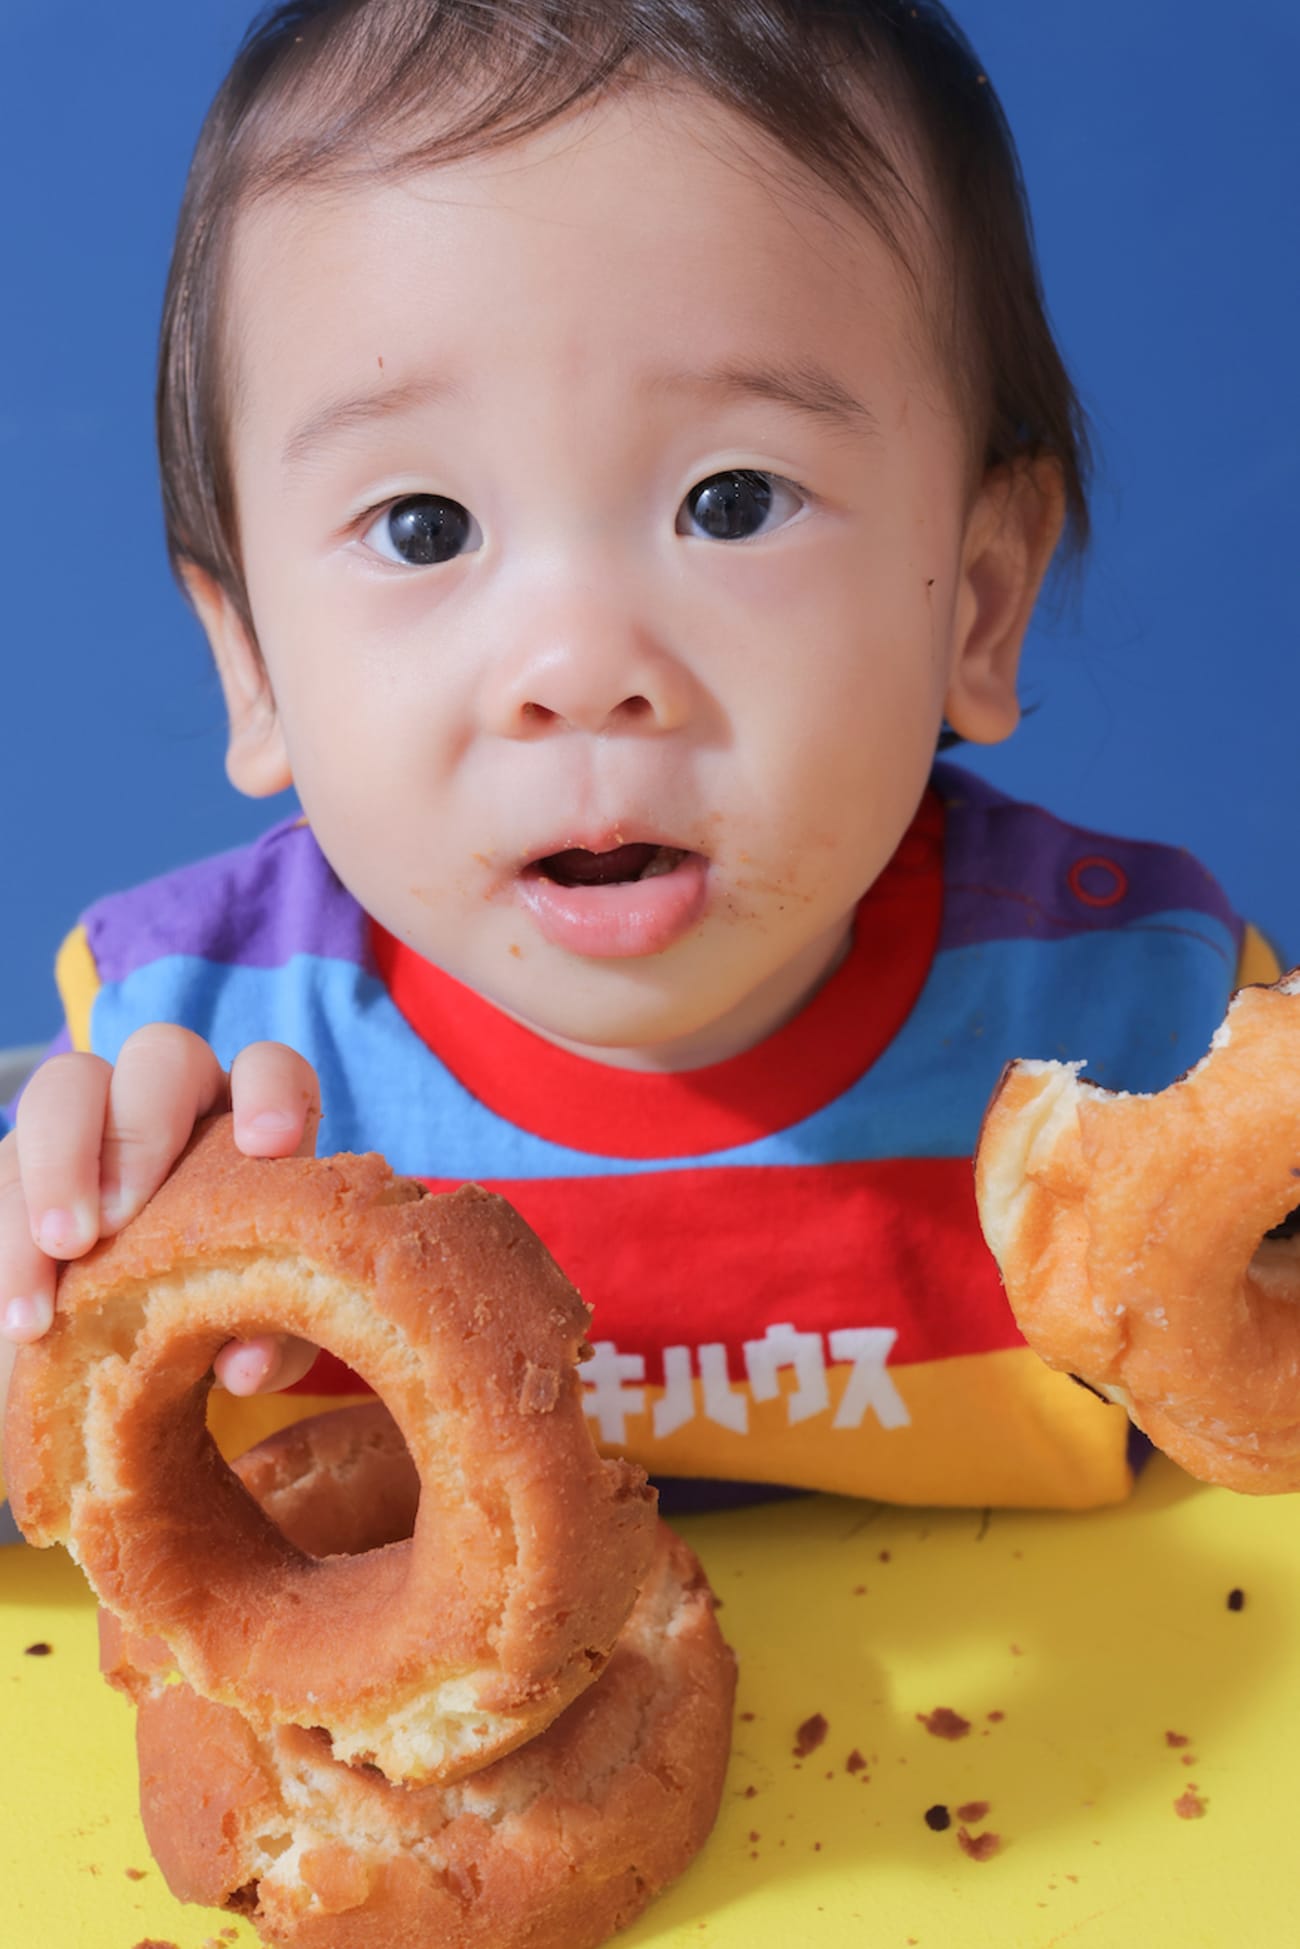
352,410
807,387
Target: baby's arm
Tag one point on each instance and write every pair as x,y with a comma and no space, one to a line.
93,1142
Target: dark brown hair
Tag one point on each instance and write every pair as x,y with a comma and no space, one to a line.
331,89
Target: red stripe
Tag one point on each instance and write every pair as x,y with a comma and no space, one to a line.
691,1257
590,1106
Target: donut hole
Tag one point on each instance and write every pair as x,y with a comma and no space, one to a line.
341,1483
1274,1270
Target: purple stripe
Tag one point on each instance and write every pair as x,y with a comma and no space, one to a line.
253,907
1013,872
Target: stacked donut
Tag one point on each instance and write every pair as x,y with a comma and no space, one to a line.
426,1671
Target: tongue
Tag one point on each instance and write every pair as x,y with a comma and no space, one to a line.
579,868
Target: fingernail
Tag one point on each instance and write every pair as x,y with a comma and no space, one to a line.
28,1319
61,1233
247,1370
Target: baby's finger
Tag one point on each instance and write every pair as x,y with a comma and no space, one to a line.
263,1365
275,1097
26,1275
165,1080
60,1132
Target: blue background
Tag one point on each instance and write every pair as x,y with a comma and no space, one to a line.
1160,150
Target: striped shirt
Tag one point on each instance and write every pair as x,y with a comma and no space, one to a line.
781,1251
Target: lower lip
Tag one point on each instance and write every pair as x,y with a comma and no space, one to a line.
619,922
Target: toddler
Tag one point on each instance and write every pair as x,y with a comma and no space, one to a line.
611,448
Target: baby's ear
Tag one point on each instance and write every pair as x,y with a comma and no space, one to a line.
257,761
1011,536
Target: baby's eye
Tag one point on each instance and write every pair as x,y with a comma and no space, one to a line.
422,530
737,505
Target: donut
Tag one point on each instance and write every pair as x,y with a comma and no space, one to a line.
1144,1241
555,1846
440,1650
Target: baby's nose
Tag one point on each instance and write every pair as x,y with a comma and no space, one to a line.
586,673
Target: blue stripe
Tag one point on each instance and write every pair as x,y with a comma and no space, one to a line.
1138,1005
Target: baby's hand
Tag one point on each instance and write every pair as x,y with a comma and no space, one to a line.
92,1144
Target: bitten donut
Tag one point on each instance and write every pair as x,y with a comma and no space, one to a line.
1144,1241
554,1847
429,1656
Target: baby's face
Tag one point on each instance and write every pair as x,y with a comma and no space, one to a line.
600,498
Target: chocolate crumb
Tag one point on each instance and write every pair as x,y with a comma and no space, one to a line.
997,1715
750,1792
135,1874
980,1847
944,1723
747,1716
40,1650
754,1835
1178,1739
1189,1805
810,1735
973,1811
884,1556
937,1818
1236,1600
855,1762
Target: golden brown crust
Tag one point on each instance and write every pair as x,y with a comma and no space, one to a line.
1130,1232
432,1653
554,1847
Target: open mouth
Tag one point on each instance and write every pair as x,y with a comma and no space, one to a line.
577,867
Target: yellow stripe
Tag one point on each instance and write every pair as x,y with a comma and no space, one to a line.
995,1429
1258,963
237,1422
78,979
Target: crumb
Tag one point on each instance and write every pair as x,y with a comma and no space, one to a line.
153,1942
747,1717
860,1590
1189,1759
997,1715
750,1792
40,1650
810,1735
855,1762
944,1723
830,1773
884,1556
135,1874
1177,1739
1015,1651
1189,1805
754,1835
1236,1600
973,1811
937,1818
980,1847
817,1847
516,950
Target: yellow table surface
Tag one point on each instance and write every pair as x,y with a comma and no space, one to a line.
1074,1645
